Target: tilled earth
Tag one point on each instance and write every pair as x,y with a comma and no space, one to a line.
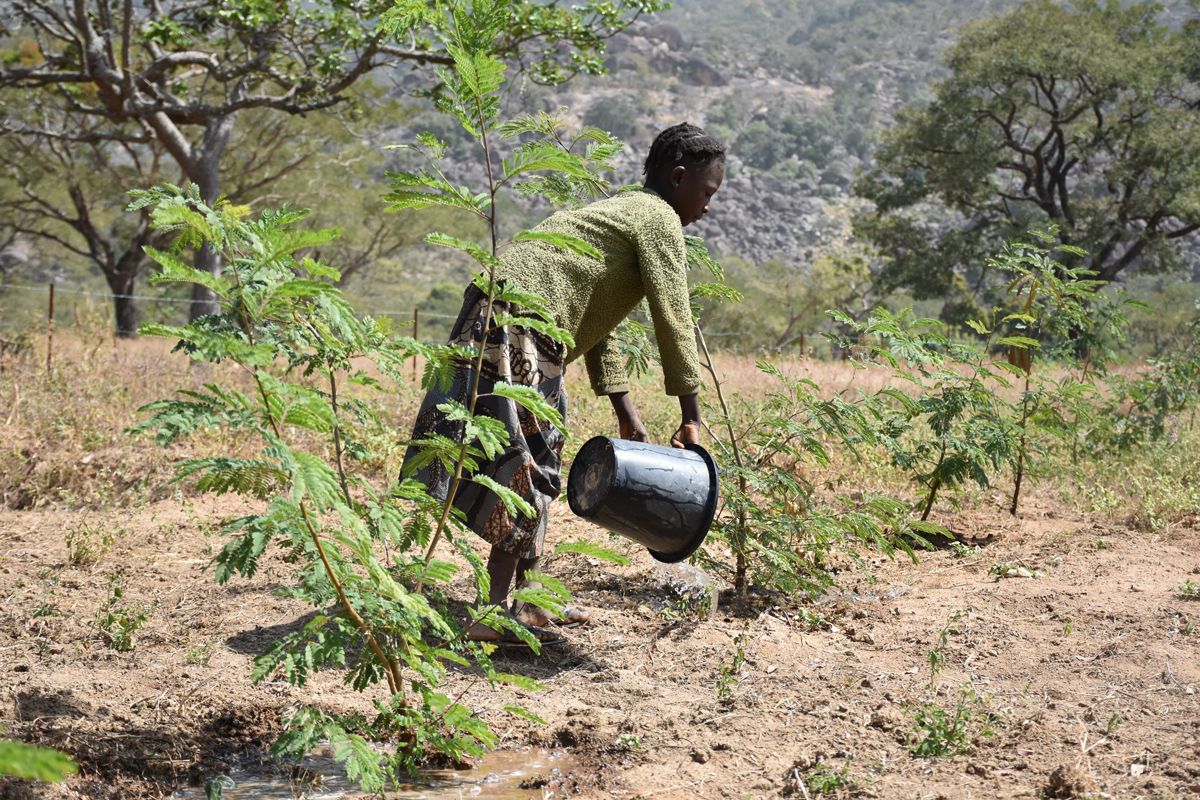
1061,658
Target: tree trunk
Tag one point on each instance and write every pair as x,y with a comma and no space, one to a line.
127,316
206,172
1021,447
122,279
204,302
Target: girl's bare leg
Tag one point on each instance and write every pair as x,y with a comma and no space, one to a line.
501,567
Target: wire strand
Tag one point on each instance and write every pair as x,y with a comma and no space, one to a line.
62,288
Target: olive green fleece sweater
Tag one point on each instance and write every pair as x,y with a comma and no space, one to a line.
641,238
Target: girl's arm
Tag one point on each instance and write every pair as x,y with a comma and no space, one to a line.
629,424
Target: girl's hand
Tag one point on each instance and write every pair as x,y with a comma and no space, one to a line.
688,433
629,424
633,430
689,429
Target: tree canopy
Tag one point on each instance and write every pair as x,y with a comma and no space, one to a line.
176,74
1084,116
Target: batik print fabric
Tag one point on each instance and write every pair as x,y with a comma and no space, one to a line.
531,463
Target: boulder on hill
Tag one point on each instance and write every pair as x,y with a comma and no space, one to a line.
667,33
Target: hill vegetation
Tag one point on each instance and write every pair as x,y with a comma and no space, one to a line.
801,92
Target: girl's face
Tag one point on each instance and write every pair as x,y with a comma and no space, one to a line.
690,188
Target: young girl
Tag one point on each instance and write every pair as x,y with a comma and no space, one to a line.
641,237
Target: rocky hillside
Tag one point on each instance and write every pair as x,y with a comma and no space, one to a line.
797,101
797,89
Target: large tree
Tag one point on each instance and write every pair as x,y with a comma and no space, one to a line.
63,190
1083,116
180,72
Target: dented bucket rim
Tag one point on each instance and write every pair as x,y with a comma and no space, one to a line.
710,510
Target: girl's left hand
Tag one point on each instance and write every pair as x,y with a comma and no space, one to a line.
688,433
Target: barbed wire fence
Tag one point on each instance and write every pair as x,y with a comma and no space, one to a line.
54,289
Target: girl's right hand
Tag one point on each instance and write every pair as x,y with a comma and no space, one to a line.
633,430
629,423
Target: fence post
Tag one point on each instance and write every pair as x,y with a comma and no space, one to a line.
416,336
50,331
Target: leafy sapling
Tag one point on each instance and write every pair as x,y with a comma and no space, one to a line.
370,554
1055,317
948,426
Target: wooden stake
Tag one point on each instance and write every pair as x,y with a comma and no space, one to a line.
416,335
50,331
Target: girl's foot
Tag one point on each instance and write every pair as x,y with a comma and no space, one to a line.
479,632
572,616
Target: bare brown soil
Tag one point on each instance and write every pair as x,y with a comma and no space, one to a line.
1082,676
1092,666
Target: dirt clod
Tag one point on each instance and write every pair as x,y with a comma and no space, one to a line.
1069,781
886,719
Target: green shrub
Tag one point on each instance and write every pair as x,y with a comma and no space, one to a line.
367,550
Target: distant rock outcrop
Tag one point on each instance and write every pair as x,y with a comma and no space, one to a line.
698,72
667,33
759,217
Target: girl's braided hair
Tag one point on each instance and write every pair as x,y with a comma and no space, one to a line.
682,144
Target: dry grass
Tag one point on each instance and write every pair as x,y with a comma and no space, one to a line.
64,438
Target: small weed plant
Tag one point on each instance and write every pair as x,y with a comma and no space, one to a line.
118,620
1189,590
961,550
214,788
1012,569
954,730
628,742
825,778
937,655
731,673
48,607
88,542
689,604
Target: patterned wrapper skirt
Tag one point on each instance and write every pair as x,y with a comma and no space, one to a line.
531,464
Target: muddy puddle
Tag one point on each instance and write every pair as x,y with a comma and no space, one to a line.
500,775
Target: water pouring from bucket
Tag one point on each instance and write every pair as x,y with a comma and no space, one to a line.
663,498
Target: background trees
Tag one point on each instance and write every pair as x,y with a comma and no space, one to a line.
178,75
801,96
1084,116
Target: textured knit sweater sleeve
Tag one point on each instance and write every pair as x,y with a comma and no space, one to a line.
662,257
606,366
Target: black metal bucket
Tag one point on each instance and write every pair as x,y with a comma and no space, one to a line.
661,497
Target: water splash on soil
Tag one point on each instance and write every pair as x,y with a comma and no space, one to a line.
500,775
690,587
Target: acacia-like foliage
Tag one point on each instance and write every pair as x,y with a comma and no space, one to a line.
370,557
310,360
780,520
945,424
